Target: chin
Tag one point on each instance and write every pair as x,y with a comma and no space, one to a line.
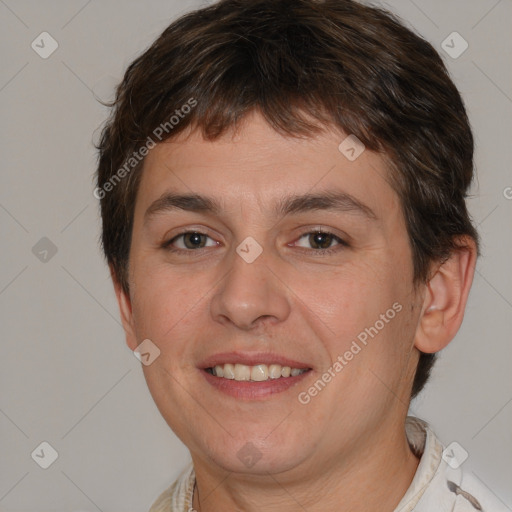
254,454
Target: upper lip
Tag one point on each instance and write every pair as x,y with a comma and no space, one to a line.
251,359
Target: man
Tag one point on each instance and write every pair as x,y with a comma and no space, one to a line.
282,188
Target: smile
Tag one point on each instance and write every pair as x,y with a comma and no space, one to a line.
257,373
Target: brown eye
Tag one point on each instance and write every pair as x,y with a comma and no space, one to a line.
324,240
193,240
321,242
189,240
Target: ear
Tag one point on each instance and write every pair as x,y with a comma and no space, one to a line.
125,308
446,297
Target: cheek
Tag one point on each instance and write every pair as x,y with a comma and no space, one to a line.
166,306
346,300
366,307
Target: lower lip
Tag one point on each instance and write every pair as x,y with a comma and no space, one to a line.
252,390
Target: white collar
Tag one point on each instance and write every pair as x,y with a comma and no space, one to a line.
435,486
425,446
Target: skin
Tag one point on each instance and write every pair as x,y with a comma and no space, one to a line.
290,301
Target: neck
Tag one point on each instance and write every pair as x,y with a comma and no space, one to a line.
361,479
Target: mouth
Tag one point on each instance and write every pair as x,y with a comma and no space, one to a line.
258,373
252,376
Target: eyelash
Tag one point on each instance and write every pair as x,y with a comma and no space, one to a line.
320,252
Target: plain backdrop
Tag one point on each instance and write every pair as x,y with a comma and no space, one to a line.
66,375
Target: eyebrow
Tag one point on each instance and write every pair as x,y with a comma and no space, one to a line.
292,204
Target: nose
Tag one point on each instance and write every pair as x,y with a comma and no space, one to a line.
251,294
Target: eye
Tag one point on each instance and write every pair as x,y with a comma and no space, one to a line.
321,241
188,240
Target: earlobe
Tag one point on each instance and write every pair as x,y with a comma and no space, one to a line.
445,298
125,309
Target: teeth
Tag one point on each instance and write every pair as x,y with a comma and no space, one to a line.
242,372
274,371
257,373
228,370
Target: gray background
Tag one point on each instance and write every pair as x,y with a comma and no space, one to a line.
66,375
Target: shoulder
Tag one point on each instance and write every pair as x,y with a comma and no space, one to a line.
176,498
442,481
473,495
455,488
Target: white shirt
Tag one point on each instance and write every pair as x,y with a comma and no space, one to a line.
436,486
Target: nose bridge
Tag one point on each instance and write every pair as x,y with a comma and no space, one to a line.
250,291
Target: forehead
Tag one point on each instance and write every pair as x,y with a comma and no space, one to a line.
257,167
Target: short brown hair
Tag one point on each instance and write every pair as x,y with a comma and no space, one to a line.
342,63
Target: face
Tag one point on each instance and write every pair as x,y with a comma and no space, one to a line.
290,259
